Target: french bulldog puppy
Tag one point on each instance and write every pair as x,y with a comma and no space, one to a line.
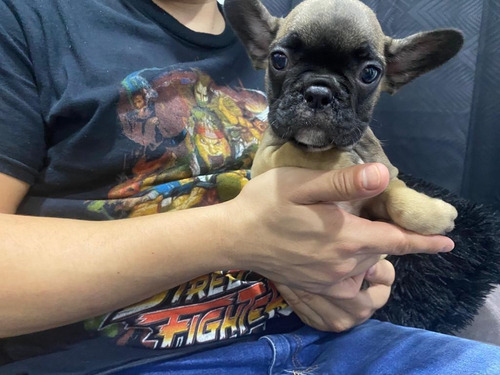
327,63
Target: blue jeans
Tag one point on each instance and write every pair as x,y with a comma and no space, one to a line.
372,348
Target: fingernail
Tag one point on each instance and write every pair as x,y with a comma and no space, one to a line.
371,177
447,249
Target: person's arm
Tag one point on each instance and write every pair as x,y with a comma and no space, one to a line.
12,193
58,271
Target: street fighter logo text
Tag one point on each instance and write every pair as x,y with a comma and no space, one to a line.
211,308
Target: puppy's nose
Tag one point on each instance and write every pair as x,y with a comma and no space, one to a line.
318,97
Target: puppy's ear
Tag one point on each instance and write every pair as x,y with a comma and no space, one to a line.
255,27
415,55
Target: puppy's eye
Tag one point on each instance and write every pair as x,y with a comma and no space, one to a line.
370,74
279,60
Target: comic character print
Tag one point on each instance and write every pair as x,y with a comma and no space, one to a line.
186,128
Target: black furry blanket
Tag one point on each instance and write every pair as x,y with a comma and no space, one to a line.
444,292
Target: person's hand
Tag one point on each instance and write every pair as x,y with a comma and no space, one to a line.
286,226
351,307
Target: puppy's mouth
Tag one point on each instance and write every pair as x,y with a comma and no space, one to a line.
316,133
312,140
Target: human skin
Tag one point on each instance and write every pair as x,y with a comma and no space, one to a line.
58,271
198,15
287,230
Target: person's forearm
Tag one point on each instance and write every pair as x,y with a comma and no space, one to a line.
59,271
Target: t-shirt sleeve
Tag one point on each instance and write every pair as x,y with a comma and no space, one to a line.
22,134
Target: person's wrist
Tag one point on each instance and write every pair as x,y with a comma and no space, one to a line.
230,235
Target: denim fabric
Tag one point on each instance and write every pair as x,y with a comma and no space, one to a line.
372,348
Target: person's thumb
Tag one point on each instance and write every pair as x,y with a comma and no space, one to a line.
358,182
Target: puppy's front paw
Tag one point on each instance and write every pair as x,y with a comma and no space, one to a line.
422,214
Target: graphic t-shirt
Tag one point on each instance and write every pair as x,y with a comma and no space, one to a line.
112,109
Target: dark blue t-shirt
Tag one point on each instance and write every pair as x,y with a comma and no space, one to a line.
112,109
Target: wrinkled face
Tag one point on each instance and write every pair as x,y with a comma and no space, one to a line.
324,75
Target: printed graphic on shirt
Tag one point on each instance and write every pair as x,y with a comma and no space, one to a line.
189,132
194,141
209,309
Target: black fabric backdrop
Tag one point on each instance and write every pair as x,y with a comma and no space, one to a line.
445,126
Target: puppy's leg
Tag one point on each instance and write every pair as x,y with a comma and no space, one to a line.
413,210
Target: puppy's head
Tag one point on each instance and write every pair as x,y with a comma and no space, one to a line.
327,63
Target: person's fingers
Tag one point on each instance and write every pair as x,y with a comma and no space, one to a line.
396,240
364,263
366,302
346,289
301,306
358,182
374,270
376,296
382,273
380,278
321,312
